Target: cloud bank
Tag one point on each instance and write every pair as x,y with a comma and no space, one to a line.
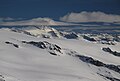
90,17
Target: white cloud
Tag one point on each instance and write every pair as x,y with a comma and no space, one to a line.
90,17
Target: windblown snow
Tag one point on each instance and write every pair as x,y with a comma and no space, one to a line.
30,57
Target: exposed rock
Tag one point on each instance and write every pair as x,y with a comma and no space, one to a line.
100,38
21,31
113,67
107,49
52,53
15,45
71,36
52,48
110,78
111,52
1,78
117,38
90,60
89,38
107,42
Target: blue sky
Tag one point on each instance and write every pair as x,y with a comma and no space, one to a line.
55,8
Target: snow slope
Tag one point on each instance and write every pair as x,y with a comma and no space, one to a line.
28,62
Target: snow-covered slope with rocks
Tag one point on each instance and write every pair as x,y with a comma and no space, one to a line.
25,57
45,32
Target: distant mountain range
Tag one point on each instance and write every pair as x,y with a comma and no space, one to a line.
51,22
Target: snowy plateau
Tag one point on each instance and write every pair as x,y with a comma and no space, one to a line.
42,53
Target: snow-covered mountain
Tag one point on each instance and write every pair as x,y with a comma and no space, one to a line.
44,32
27,56
35,21
48,32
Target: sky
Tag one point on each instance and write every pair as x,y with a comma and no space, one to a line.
55,8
